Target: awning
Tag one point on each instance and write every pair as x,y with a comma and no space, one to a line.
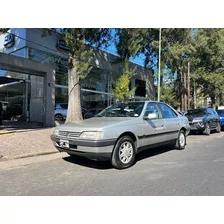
5,81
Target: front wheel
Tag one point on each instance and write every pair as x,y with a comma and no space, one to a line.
207,130
218,129
124,152
58,117
181,140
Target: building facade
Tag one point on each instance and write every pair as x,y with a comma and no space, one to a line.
96,89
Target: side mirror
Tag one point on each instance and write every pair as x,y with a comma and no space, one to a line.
150,116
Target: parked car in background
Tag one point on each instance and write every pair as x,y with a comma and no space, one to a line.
61,110
221,116
92,112
120,131
203,120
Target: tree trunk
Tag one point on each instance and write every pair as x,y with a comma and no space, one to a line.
74,102
185,92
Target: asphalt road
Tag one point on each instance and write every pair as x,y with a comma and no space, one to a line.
197,170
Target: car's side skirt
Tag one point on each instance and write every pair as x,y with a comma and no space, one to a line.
156,145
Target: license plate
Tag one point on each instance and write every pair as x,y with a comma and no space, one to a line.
64,144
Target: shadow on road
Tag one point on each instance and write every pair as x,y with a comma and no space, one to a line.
153,152
100,165
104,165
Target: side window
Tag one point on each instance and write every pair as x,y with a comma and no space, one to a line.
167,111
152,108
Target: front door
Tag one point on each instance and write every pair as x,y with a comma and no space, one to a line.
153,129
172,122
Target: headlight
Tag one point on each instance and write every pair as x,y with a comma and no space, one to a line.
56,131
198,120
91,135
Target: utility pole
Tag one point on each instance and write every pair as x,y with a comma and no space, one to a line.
158,80
188,87
195,98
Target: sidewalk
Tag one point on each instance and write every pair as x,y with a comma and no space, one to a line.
25,141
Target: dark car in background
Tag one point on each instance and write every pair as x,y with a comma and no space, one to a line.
221,116
92,112
203,120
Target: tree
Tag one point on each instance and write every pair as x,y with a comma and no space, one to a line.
3,30
208,63
121,88
79,42
128,44
169,96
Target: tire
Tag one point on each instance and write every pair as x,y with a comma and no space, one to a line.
126,159
207,130
181,140
58,117
218,129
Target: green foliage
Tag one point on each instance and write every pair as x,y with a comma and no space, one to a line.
3,30
208,63
121,88
168,95
128,43
79,42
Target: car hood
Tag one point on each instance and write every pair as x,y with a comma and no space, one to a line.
96,123
193,117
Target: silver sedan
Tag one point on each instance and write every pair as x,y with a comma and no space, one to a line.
121,131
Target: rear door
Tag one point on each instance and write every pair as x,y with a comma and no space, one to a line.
172,122
153,129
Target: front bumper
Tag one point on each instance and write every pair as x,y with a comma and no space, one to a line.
197,126
97,150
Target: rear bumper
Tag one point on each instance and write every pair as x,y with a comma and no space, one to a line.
97,150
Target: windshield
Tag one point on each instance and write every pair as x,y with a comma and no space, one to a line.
220,113
196,112
130,109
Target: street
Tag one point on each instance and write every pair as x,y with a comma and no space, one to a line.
196,170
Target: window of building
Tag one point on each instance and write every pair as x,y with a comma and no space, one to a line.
60,63
140,87
20,53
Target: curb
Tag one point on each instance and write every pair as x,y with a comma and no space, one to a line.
7,132
2,158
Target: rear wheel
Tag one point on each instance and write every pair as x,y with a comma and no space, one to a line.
124,152
207,130
181,140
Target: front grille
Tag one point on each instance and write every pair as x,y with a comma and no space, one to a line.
73,134
63,133
69,134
